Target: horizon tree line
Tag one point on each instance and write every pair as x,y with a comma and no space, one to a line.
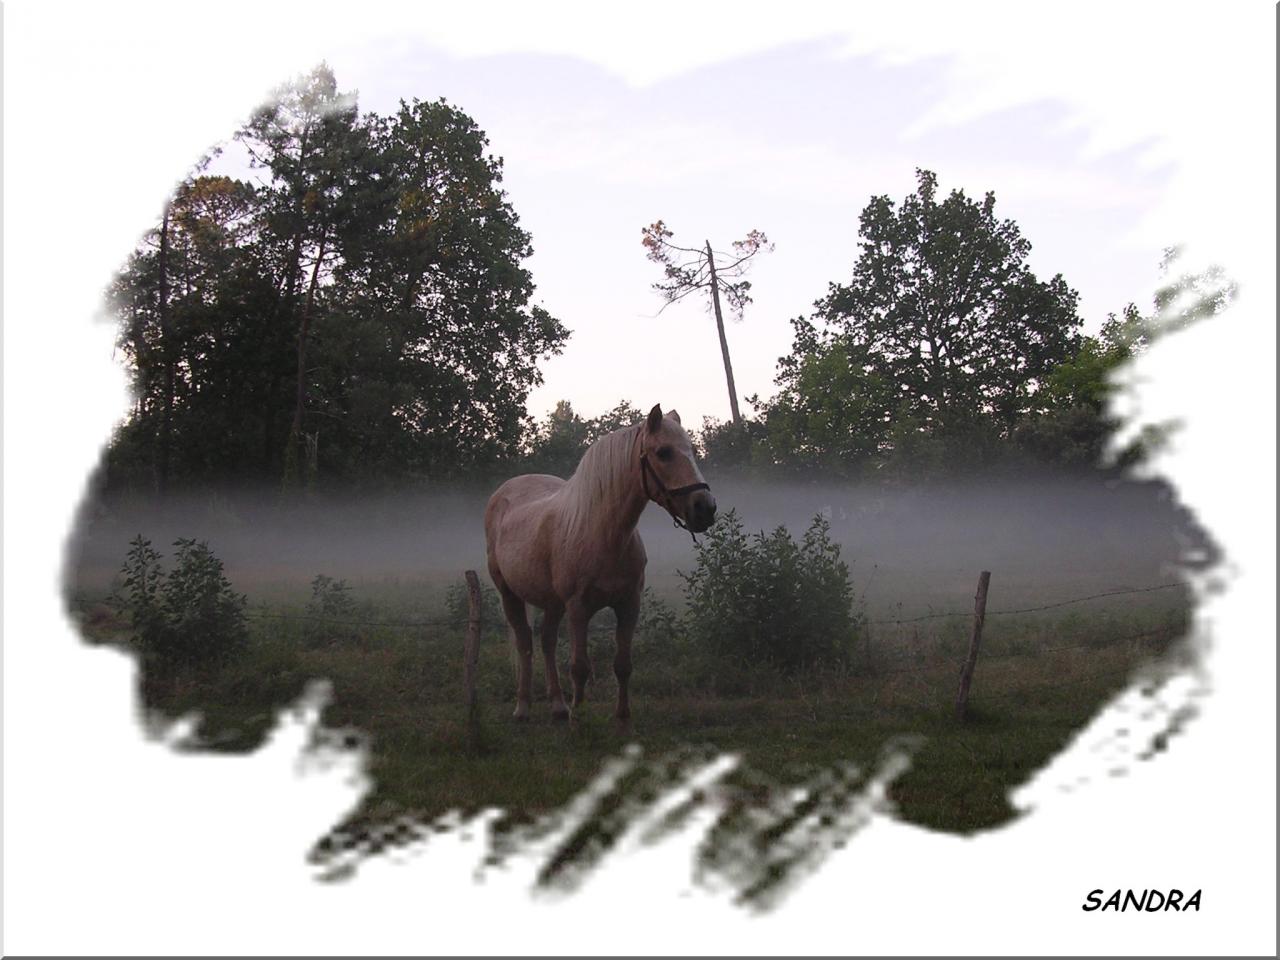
362,315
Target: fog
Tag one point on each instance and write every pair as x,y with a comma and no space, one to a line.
910,550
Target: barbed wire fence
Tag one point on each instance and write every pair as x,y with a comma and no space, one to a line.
881,621
912,663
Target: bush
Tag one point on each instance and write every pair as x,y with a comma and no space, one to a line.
331,610
188,618
457,606
767,599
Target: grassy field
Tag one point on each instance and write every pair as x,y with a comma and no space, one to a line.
1040,678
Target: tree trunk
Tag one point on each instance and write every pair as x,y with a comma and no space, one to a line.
286,289
291,470
724,344
166,347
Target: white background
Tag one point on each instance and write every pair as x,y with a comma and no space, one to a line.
114,844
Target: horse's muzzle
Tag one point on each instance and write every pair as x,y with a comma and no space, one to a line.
702,511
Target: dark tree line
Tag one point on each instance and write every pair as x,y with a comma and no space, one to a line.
361,313
943,352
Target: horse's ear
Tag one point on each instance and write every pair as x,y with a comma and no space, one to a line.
655,418
672,415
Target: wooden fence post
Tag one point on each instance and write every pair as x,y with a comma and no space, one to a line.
472,652
979,616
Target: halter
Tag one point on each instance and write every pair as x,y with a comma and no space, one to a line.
646,470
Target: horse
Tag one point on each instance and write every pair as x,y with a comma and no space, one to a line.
571,546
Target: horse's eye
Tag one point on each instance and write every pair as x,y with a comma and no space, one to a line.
664,453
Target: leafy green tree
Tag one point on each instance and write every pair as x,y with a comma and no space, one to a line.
623,414
723,443
429,345
1073,425
833,407
943,308
186,349
310,137
362,313
558,443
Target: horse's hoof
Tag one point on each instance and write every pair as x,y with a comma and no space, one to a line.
560,712
521,713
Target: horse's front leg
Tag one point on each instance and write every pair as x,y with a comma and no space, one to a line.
551,617
628,613
579,659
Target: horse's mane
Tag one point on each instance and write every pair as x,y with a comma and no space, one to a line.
600,481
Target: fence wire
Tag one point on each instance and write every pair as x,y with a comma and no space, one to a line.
912,664
1047,606
462,621
261,615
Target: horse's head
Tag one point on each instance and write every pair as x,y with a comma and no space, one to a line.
670,476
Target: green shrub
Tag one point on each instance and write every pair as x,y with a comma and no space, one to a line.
457,606
330,611
188,618
766,599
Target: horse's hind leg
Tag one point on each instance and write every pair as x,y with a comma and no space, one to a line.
550,635
522,635
579,660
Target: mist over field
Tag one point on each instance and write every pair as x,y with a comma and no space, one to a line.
910,551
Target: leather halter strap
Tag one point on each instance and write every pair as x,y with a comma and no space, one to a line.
646,471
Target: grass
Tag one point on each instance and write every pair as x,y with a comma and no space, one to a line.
1039,679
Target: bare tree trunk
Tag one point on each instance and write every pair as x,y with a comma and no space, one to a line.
291,470
166,347
724,344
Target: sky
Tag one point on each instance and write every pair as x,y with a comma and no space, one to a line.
793,140
1170,106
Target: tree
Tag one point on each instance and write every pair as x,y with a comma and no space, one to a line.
429,344
563,436
368,292
559,442
1073,423
307,135
942,305
194,304
833,407
688,269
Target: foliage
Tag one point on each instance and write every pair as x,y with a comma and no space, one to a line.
362,312
558,443
188,618
1073,424
330,611
457,605
659,623
689,269
936,348
944,307
944,353
833,410
724,443
330,598
765,599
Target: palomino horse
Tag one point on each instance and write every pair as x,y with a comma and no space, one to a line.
571,546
